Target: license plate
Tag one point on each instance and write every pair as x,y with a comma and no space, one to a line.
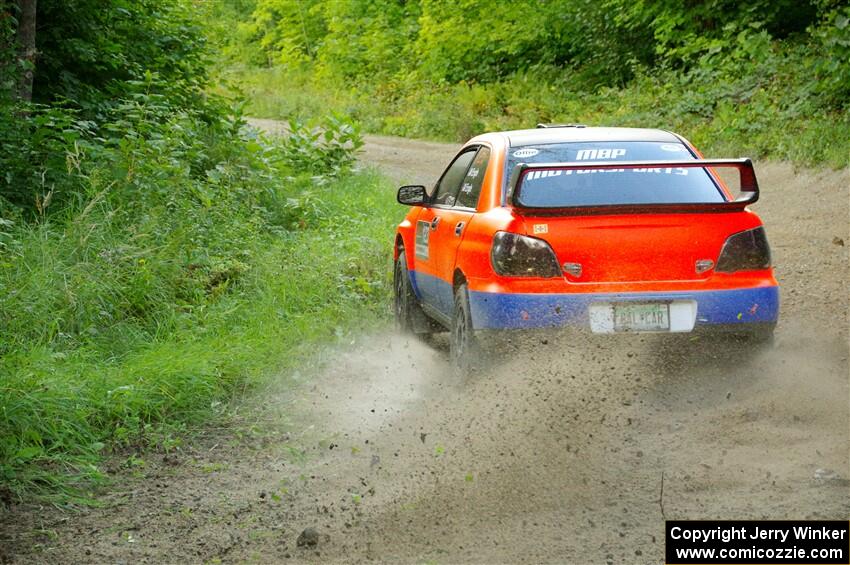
641,317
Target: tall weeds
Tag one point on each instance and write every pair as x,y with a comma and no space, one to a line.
175,266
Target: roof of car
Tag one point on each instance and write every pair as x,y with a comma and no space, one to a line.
540,136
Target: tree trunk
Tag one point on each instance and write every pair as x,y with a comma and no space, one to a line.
26,48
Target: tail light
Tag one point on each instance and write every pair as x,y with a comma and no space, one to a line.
515,255
744,251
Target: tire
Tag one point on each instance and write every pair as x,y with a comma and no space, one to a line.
404,300
463,345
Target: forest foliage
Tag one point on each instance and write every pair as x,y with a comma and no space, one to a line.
768,77
155,254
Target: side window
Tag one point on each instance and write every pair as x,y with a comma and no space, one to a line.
446,191
470,188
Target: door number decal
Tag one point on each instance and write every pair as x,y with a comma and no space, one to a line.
423,233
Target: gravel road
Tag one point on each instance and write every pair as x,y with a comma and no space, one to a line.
570,450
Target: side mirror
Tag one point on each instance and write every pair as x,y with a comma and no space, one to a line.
412,195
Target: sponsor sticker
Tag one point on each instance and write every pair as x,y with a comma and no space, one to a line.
529,152
679,171
598,154
533,175
672,147
540,228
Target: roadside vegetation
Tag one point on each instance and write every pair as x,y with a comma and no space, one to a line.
157,258
764,78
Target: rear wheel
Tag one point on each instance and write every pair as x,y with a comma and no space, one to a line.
463,346
408,314
404,300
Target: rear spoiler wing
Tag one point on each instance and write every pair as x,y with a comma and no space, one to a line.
749,188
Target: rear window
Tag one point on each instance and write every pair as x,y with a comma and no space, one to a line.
615,186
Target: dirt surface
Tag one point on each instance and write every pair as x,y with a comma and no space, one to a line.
569,450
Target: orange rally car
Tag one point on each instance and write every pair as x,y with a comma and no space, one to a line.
608,229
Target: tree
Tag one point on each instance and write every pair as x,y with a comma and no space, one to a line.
26,48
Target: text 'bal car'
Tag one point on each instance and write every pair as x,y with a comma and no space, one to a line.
608,229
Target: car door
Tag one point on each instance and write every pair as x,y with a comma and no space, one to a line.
441,226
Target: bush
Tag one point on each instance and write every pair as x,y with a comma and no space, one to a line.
141,273
324,150
91,52
833,63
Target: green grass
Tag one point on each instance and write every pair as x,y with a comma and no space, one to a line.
725,111
69,395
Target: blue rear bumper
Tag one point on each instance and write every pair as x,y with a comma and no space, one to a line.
714,307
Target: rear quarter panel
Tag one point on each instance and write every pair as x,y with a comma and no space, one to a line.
406,234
